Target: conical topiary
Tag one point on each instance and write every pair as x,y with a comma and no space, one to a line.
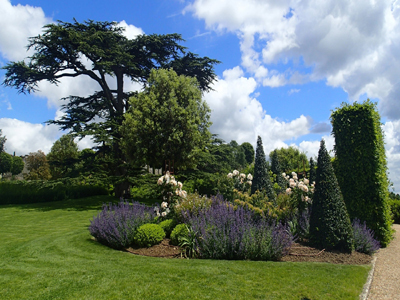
330,226
276,169
261,179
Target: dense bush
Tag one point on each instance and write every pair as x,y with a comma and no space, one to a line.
148,235
364,241
395,210
330,226
116,224
181,230
361,166
223,232
192,204
168,225
23,192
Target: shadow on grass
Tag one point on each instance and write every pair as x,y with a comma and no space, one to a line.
81,204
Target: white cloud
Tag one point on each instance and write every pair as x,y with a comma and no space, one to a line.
131,31
351,44
23,137
392,147
18,23
238,115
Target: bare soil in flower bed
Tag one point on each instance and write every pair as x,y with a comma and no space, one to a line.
299,252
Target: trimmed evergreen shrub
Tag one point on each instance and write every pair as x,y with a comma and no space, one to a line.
276,169
148,235
261,178
180,230
361,166
168,225
330,226
313,171
395,210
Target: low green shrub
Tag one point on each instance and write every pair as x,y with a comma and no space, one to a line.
148,235
168,225
395,210
179,231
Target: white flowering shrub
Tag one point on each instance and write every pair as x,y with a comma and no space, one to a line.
300,190
170,191
241,181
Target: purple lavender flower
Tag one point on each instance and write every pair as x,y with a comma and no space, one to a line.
364,240
116,224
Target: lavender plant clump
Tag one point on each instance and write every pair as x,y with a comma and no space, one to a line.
225,232
364,240
116,224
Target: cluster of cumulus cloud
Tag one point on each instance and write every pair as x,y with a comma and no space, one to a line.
353,45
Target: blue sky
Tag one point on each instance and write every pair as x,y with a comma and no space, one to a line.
285,65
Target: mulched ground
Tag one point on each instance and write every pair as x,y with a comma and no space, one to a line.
297,253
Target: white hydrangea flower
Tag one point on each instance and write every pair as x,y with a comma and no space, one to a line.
249,182
230,175
305,188
163,214
295,177
164,204
242,175
306,181
294,174
180,184
160,180
249,177
235,172
284,174
173,182
288,191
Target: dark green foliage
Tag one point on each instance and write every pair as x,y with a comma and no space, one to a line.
360,166
22,192
181,230
148,235
2,141
313,171
248,152
276,169
394,203
239,156
330,226
168,225
17,165
261,178
5,162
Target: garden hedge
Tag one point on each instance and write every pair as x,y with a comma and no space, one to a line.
361,166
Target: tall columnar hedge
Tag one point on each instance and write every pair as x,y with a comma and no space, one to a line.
276,169
361,166
261,179
313,171
330,226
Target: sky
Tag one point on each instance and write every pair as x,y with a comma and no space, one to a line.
285,65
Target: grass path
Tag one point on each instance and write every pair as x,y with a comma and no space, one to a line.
46,252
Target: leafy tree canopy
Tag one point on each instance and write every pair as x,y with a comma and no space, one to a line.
248,152
63,156
290,159
17,165
38,166
5,162
167,121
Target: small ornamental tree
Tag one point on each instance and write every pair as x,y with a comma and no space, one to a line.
261,179
38,166
330,226
5,162
17,165
313,171
360,166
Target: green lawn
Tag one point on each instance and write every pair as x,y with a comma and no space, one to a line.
46,252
